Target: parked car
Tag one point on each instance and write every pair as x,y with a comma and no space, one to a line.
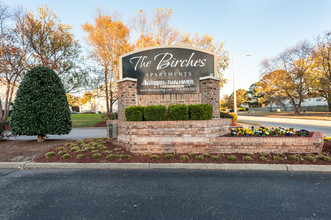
73,112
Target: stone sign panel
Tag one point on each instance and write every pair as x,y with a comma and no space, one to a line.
167,70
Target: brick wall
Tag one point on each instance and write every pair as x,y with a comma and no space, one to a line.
127,95
209,94
204,137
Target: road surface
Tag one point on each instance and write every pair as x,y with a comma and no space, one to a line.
310,125
163,194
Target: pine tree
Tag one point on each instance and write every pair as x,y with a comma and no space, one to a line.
41,105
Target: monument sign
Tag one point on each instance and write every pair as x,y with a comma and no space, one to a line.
167,70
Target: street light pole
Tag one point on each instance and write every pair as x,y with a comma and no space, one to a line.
234,87
234,84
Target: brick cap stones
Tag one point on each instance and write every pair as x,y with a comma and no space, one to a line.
127,79
210,77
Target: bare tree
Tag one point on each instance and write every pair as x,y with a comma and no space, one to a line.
322,57
12,60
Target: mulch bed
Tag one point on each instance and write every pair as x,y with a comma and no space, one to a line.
100,124
177,158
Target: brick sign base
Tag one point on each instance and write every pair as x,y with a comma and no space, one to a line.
204,137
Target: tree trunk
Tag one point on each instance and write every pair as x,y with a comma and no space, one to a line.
41,138
1,119
111,98
106,88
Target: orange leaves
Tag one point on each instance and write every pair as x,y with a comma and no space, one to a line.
109,40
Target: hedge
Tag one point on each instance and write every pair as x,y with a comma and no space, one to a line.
155,113
178,112
200,112
233,116
134,113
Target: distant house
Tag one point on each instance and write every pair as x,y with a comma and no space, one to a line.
284,104
97,105
3,90
310,101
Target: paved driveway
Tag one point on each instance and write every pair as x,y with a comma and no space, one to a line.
75,134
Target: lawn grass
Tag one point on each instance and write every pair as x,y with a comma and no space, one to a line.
85,120
306,115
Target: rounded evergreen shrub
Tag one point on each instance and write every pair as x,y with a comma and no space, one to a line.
41,105
200,112
155,113
134,113
178,112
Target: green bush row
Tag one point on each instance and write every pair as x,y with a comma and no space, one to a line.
233,116
175,112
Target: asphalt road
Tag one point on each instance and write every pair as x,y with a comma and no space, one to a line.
163,194
310,125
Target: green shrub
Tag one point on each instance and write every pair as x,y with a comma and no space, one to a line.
168,156
262,158
124,156
155,157
247,158
111,156
183,157
213,157
278,158
293,157
65,156
310,158
80,156
199,157
233,116
50,154
134,113
75,148
324,157
231,157
178,112
110,116
200,112
155,113
41,105
62,153
96,155
117,149
59,148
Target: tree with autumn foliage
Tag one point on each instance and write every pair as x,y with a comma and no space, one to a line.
108,39
12,60
291,74
158,31
52,44
242,97
322,57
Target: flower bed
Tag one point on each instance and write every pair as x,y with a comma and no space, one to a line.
266,131
209,136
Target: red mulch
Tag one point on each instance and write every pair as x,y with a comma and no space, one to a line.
100,124
146,158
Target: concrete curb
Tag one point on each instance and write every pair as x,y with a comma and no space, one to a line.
192,166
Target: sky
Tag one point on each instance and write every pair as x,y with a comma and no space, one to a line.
261,28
